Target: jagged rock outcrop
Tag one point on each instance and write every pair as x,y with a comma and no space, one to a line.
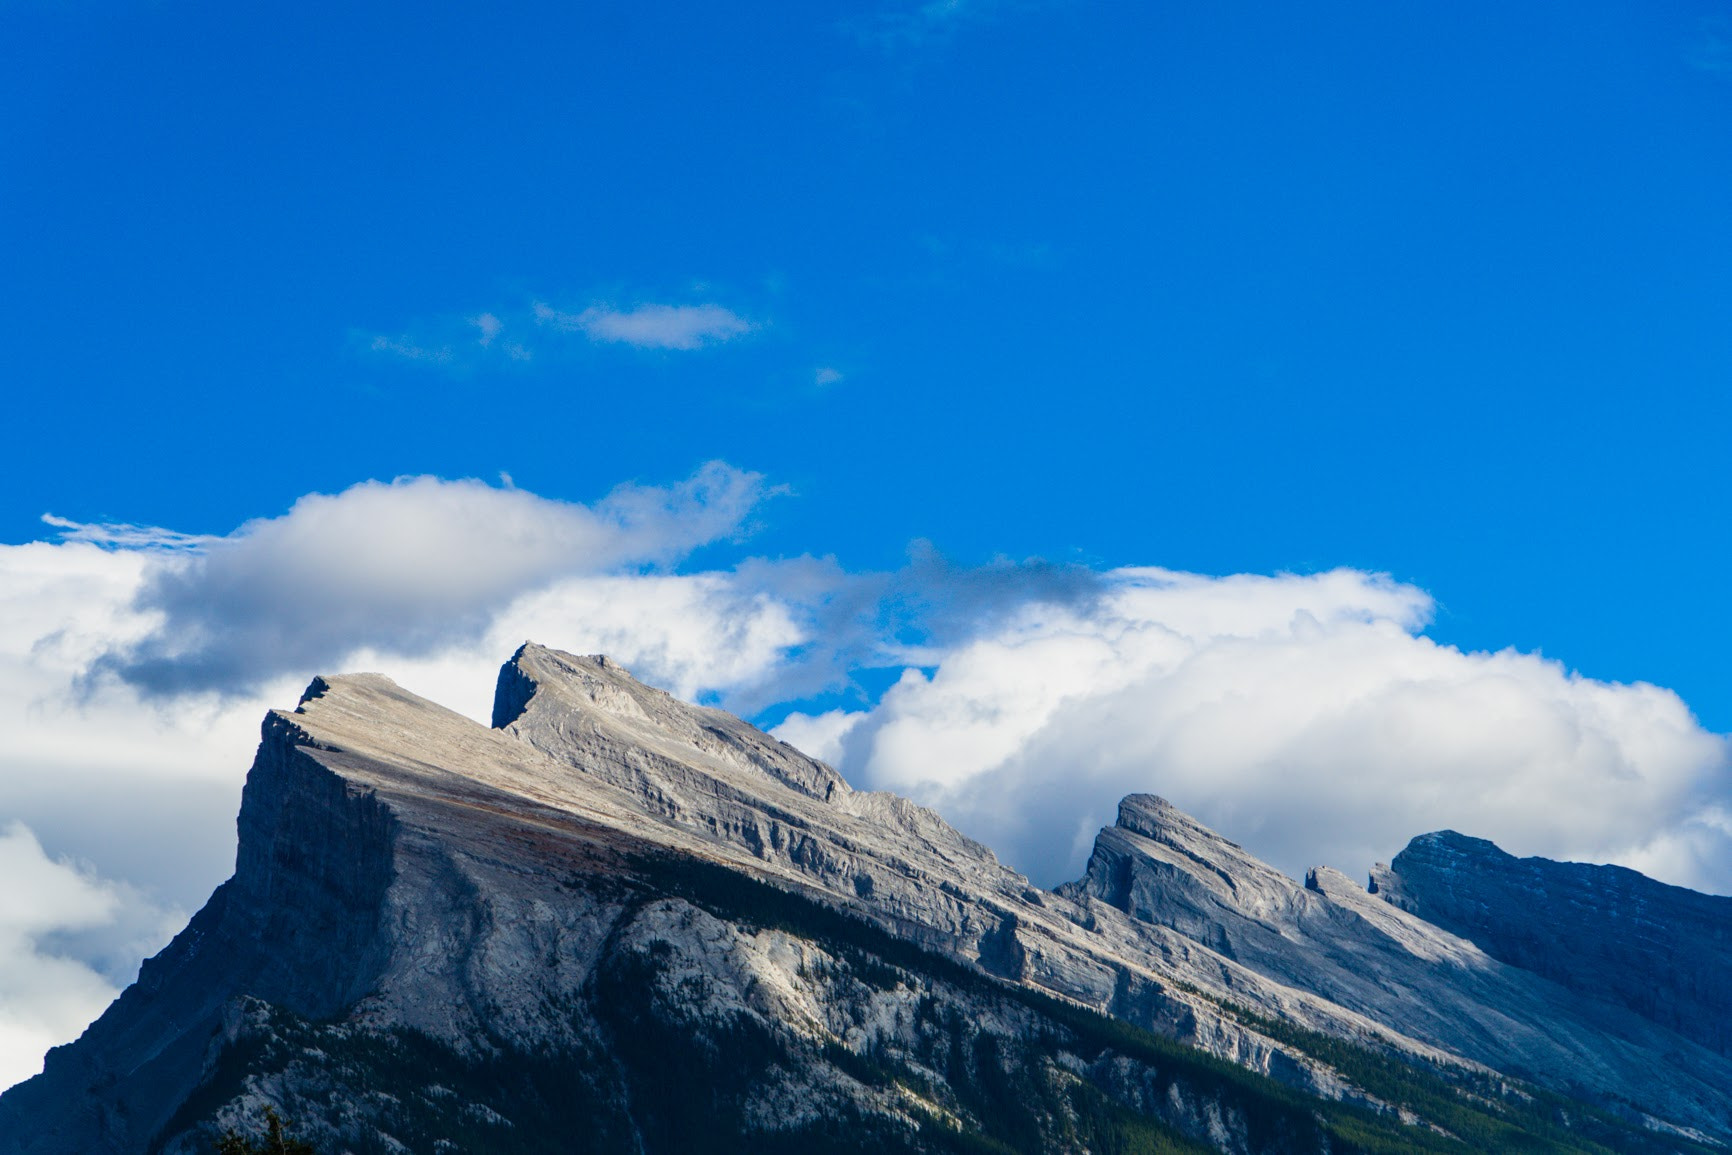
618,922
1608,932
1333,938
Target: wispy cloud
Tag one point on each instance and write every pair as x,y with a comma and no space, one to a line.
502,336
650,326
904,26
407,349
451,344
1712,49
490,335
489,326
124,536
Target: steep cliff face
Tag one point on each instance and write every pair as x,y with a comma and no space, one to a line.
618,922
297,926
1661,951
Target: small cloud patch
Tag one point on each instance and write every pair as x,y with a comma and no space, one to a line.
650,326
406,349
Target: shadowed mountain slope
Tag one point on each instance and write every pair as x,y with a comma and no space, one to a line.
1608,932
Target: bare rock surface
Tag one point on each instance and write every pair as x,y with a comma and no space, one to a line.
615,921
1661,951
761,804
1331,937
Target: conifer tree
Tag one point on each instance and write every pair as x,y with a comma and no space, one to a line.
275,1142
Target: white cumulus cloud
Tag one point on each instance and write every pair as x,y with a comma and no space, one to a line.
46,997
145,791
695,635
409,566
1305,716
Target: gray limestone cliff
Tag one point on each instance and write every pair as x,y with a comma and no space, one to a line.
1661,951
615,921
1331,937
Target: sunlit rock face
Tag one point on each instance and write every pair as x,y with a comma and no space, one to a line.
614,921
1602,931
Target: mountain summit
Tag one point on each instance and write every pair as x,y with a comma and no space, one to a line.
615,921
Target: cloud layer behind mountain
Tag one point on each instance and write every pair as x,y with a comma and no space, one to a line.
1303,715
1307,716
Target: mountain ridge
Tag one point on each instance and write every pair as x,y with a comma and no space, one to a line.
407,874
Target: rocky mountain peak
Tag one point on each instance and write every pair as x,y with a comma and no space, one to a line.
1189,856
563,702
1154,817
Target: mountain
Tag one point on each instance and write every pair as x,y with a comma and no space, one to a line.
614,921
1607,932
1334,939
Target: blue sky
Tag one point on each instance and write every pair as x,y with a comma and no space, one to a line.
1310,294
1438,290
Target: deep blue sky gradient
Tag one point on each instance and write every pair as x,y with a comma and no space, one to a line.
1438,289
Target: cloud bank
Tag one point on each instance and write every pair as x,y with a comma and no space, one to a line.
1303,715
1308,717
